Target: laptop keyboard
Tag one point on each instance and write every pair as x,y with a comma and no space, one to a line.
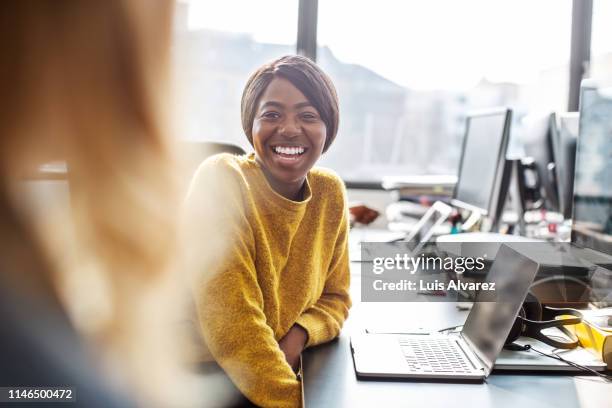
425,355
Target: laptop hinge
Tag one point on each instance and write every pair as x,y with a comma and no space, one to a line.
474,354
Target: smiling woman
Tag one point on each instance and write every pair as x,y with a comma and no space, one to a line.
281,282
290,116
288,137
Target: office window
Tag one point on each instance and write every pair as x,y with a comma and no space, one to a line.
407,73
217,44
601,46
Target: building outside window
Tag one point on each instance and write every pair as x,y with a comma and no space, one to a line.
407,72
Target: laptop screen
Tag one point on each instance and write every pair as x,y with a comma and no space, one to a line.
493,315
424,230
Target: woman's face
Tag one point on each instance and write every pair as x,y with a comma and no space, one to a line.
288,135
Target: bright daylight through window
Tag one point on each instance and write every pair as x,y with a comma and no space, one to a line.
407,72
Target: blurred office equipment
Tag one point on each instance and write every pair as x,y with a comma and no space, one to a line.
546,173
412,241
483,175
550,144
415,193
592,199
538,143
541,183
564,132
483,171
427,184
516,192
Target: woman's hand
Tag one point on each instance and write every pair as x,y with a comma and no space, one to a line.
293,344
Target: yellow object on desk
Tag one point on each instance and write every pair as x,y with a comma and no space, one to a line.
595,334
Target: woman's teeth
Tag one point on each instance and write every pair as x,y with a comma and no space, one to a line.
289,150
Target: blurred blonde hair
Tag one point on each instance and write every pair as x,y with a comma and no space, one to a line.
87,82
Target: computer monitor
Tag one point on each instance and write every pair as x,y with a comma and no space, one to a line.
483,161
564,132
538,143
592,212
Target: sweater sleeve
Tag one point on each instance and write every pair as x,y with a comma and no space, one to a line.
325,318
229,307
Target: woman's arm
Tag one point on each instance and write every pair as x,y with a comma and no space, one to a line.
325,318
230,312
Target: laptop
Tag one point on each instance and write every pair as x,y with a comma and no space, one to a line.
412,241
468,355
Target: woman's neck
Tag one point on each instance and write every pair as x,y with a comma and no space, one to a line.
291,191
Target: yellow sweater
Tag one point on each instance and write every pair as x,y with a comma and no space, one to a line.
287,263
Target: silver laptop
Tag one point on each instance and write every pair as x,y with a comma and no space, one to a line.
468,355
410,242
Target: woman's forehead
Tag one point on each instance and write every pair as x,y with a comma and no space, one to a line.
281,92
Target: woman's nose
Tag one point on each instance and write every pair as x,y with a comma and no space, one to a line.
289,128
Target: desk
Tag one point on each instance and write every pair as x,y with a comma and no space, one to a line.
329,378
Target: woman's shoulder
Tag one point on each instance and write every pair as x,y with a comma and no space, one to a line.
326,180
224,168
220,175
326,175
224,162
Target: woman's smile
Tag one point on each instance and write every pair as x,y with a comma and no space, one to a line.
286,154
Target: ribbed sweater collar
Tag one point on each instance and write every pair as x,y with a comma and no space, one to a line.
260,182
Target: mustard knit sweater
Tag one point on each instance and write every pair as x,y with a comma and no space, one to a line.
286,263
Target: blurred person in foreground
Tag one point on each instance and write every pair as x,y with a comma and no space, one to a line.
86,293
282,283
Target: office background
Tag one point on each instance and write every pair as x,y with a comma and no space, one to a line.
407,72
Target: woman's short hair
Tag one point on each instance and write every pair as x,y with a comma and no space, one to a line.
306,76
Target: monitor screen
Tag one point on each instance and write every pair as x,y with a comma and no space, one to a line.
485,143
592,204
565,134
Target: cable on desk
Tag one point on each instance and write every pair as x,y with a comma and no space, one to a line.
527,347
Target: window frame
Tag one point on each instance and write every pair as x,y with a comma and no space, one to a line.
580,50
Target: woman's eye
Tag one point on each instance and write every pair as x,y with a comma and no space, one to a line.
309,116
270,115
